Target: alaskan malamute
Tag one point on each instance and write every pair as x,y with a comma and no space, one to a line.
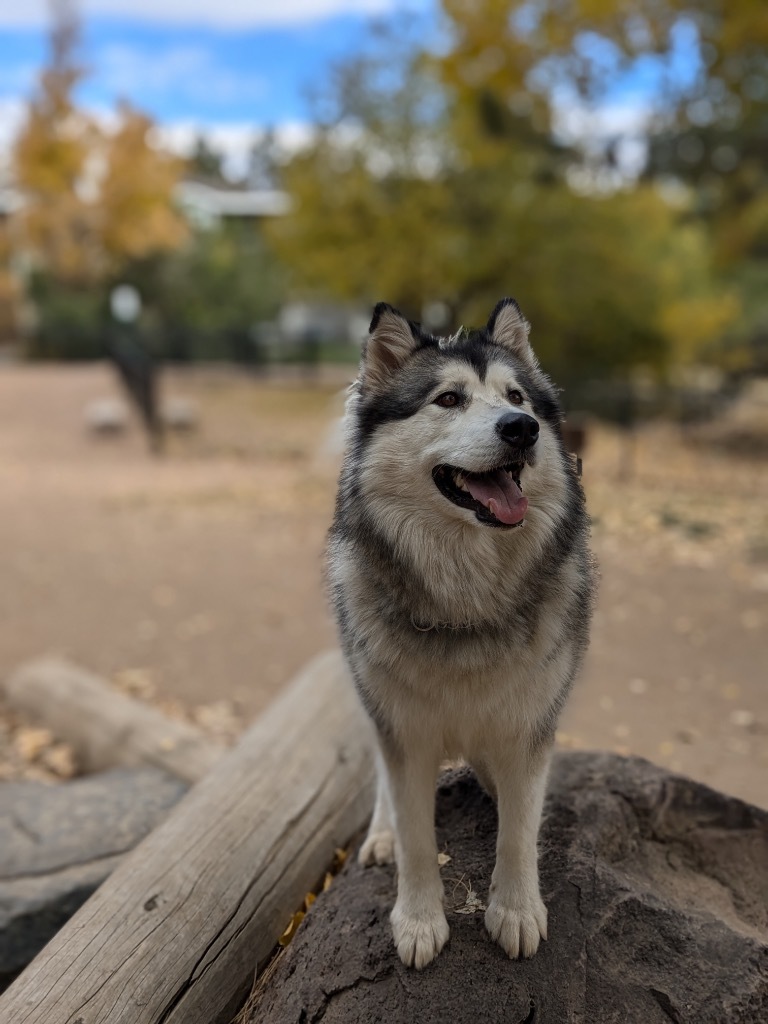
462,584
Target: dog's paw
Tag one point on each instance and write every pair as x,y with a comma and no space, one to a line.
419,938
517,930
378,848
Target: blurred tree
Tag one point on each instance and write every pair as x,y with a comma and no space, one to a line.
705,63
419,190
713,137
206,162
135,215
51,163
263,161
94,201
712,130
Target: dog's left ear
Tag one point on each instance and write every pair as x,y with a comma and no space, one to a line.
508,327
391,340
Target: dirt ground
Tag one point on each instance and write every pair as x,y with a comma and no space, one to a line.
194,580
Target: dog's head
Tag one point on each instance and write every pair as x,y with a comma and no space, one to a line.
465,428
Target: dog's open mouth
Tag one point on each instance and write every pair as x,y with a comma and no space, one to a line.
495,497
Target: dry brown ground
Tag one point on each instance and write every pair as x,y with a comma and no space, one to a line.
195,580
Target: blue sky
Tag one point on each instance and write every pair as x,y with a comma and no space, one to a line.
226,67
223,65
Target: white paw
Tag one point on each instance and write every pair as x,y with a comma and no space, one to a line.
419,938
517,930
378,848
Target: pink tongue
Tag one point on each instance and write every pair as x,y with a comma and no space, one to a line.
499,493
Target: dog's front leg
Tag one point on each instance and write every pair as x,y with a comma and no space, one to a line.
516,916
418,920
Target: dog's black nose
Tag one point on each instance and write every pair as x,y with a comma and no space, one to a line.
518,429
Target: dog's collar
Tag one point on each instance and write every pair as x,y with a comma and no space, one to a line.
426,627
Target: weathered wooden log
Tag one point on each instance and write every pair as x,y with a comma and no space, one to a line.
175,934
106,728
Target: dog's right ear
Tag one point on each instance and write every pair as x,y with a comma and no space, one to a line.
391,339
508,327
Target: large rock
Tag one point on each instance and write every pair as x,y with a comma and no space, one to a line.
657,889
58,844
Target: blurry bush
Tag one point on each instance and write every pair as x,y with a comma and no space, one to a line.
69,318
207,296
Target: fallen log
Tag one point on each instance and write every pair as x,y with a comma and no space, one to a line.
106,728
176,932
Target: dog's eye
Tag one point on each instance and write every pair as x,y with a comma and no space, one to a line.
515,396
448,399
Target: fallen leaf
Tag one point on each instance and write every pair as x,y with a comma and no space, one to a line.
61,760
290,931
472,905
30,743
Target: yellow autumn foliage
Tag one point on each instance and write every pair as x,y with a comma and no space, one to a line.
93,199
136,216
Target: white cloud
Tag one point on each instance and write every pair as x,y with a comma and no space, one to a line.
624,125
190,71
216,14
17,78
577,120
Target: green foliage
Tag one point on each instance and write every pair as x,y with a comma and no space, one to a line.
412,195
202,301
223,278
198,303
71,320
706,130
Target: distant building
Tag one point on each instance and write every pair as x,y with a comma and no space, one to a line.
206,205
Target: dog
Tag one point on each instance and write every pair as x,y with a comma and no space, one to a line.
462,583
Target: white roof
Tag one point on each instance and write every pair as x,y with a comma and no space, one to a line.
207,202
222,202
